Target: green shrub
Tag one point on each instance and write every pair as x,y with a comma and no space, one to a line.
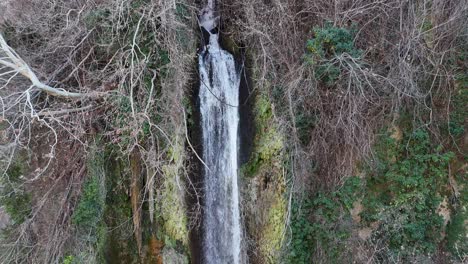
318,221
457,230
328,43
402,193
302,229
457,241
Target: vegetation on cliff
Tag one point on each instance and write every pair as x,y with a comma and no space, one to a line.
359,110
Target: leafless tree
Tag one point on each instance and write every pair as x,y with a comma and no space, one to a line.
68,80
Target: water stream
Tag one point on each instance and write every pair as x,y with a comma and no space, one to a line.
219,99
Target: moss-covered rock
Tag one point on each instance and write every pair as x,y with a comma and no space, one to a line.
172,256
268,141
171,199
265,204
274,229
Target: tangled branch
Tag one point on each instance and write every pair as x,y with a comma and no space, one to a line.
13,65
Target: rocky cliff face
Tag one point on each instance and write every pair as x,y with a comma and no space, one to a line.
352,130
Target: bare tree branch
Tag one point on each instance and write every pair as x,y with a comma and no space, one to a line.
17,65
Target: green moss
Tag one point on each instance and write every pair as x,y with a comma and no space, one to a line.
90,208
274,230
13,196
172,204
70,259
119,245
89,211
268,141
88,216
457,233
263,175
118,180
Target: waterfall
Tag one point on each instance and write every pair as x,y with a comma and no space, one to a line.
219,99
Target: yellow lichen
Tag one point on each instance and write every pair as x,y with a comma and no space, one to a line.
274,230
173,210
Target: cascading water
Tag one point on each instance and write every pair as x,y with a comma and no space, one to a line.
219,99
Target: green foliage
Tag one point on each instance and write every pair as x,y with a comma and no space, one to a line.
118,180
457,241
120,244
319,221
149,51
457,229
329,42
90,209
403,193
171,215
13,196
70,259
301,247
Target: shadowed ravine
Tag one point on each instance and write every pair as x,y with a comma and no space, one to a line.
219,100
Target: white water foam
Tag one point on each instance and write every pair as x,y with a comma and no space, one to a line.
219,99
